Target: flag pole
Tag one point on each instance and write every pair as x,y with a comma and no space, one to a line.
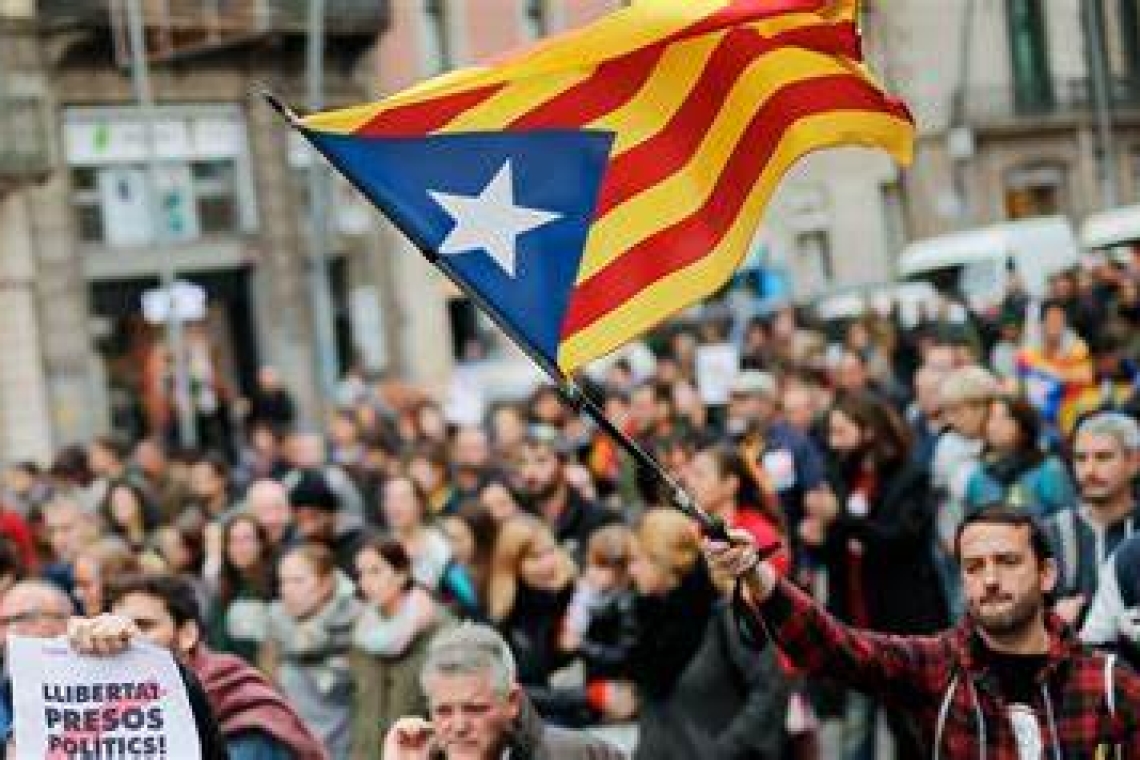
711,525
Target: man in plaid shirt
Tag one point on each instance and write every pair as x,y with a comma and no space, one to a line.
1010,683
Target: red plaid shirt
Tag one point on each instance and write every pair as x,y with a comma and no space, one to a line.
940,681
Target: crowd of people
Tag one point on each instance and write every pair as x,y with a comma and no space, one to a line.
322,562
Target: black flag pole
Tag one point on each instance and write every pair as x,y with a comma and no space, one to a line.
711,525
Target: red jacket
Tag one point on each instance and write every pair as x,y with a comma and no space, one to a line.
15,529
941,683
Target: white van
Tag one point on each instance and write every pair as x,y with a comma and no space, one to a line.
977,262
1117,228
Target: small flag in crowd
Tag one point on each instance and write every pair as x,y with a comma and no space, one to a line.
600,181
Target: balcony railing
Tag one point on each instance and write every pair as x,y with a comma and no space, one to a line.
24,151
1073,98
179,25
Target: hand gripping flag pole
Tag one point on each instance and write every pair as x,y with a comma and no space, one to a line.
711,525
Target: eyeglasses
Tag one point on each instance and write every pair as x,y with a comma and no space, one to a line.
31,616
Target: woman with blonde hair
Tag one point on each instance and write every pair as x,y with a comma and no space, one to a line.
701,691
529,590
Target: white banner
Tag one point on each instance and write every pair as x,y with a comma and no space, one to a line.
69,706
91,139
717,366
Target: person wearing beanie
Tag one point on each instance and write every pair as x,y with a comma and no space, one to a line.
319,518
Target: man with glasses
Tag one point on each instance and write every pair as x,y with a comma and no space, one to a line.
34,608
30,608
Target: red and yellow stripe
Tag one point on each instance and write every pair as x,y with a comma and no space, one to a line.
710,102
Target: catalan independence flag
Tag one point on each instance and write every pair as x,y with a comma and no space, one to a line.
598,182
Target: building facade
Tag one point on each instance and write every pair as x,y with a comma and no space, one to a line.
1001,91
86,232
85,239
426,38
25,159
1003,95
1006,101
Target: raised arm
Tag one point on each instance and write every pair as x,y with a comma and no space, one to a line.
895,668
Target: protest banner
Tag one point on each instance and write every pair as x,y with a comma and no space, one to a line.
75,707
717,366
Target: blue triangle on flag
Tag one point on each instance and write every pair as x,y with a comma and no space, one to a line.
558,172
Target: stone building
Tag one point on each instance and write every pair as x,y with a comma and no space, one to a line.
231,209
83,326
25,159
1004,96
1000,89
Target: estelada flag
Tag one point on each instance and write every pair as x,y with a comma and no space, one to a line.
591,186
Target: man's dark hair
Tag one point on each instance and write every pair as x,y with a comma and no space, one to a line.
176,595
70,466
11,561
29,467
435,454
393,553
1054,303
1004,514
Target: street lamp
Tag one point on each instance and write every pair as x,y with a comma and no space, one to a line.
140,75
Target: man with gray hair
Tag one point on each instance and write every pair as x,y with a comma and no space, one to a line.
478,710
1106,460
35,608
70,527
963,398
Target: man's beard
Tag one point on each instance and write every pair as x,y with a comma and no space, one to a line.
535,496
1096,493
1014,618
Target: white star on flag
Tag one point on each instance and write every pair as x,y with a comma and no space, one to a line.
490,221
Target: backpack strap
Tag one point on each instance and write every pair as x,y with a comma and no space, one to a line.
943,712
1110,694
1128,582
1067,536
1110,683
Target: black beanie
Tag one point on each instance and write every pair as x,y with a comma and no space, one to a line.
312,490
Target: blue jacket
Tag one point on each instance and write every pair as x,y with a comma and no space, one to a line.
1043,490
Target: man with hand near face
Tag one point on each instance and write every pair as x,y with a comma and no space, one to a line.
478,710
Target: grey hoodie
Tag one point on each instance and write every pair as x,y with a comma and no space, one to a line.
313,670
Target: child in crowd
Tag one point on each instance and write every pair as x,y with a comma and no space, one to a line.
601,623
